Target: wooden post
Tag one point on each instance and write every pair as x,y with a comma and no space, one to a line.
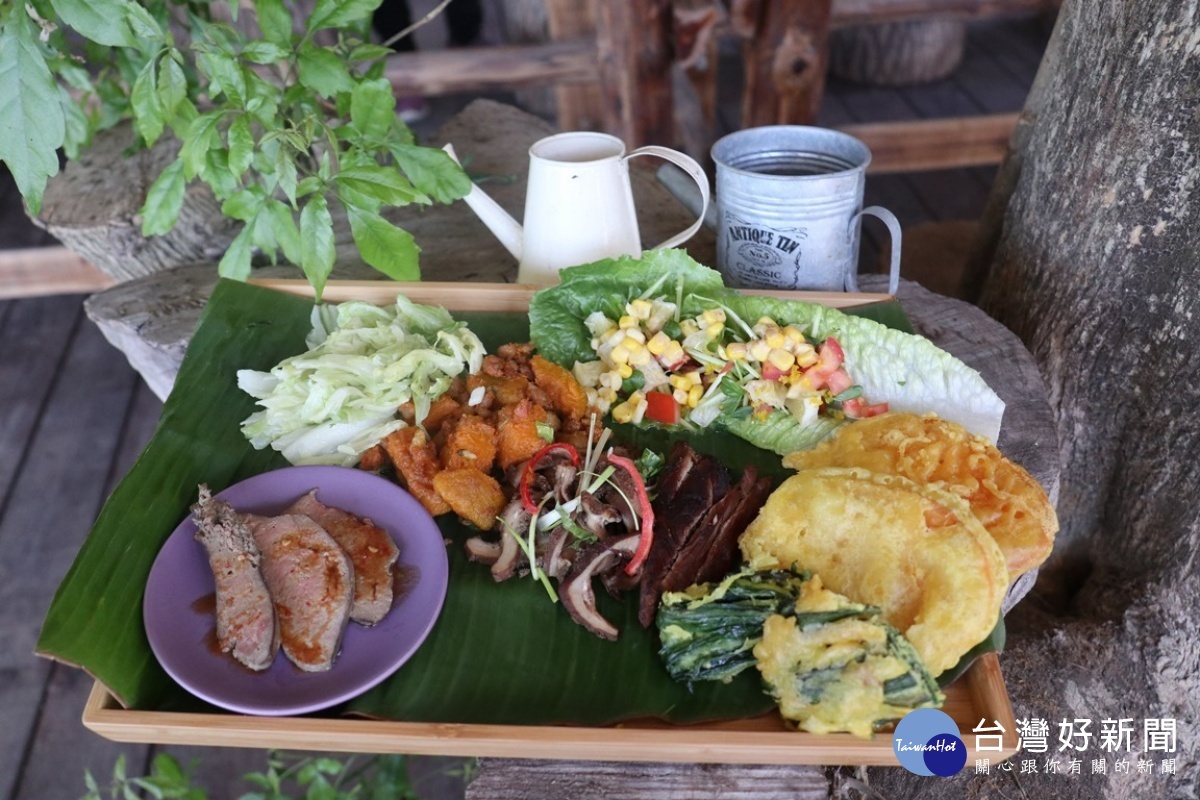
580,106
785,57
633,42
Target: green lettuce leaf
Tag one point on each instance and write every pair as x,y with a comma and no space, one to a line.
556,314
906,371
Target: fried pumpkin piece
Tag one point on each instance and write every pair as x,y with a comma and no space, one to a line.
417,462
915,551
508,390
517,437
473,495
567,395
444,409
1009,502
470,444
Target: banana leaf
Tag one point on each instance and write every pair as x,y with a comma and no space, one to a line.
500,653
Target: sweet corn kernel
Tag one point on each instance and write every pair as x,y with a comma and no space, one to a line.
715,330
759,350
688,327
619,354
735,351
781,358
631,343
775,338
806,355
693,396
625,371
766,321
626,322
679,382
614,337
623,412
636,335
640,357
681,396
672,355
639,309
711,316
695,377
794,334
607,395
658,343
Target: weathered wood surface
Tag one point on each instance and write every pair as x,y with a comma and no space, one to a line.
527,779
785,57
495,67
632,39
897,53
39,271
93,207
935,143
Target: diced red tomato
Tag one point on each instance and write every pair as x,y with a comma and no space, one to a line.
829,356
839,381
661,407
816,379
857,408
773,373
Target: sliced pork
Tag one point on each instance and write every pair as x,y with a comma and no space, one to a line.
247,626
372,551
311,580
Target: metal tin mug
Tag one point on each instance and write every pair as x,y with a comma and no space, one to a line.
789,208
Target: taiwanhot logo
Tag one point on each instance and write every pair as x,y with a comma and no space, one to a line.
927,742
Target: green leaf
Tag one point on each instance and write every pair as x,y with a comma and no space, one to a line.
225,76
322,71
274,20
385,247
104,23
265,52
218,176
201,136
243,204
369,52
164,200
32,124
172,87
77,132
147,33
372,107
432,171
241,145
339,13
384,184
285,173
148,114
317,252
235,263
286,233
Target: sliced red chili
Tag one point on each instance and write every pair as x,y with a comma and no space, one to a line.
531,466
646,513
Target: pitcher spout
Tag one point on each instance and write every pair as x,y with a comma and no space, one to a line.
498,221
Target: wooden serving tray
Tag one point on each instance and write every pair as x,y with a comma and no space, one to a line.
980,694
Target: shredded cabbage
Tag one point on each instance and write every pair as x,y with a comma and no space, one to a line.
332,402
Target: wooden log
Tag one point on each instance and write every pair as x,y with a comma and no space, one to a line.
935,143
635,62
866,12
897,53
579,106
694,74
37,271
784,59
94,207
499,67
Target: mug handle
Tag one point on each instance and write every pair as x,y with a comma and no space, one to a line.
688,165
893,226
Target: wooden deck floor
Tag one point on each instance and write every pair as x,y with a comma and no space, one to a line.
74,416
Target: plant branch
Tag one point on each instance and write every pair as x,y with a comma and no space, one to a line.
425,20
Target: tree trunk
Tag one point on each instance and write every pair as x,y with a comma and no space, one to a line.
1090,256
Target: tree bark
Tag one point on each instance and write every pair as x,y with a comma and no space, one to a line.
1090,257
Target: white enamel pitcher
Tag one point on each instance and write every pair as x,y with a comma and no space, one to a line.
578,205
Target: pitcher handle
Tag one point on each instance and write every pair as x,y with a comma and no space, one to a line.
688,165
893,226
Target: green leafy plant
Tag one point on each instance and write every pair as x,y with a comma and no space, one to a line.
284,122
288,776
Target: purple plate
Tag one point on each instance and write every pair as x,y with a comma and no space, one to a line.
180,622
